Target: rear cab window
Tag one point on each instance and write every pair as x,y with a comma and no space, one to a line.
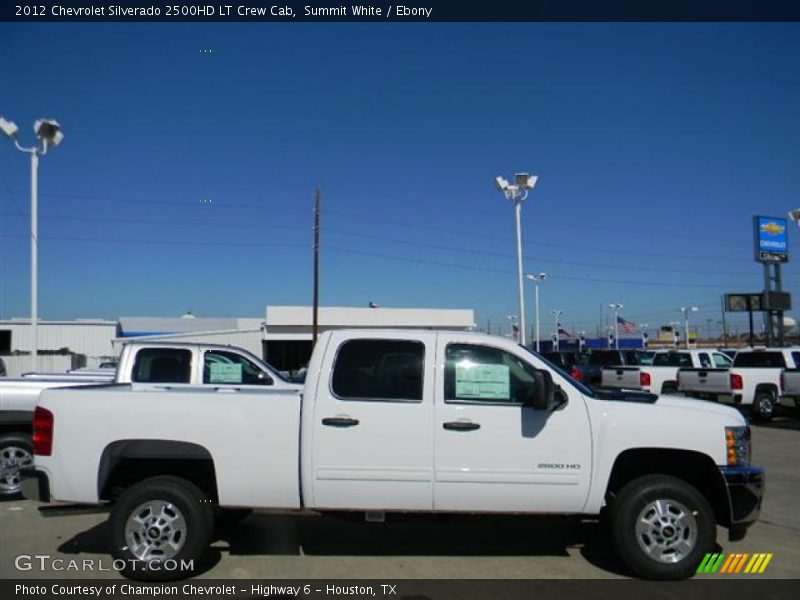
605,358
672,359
765,360
162,365
379,371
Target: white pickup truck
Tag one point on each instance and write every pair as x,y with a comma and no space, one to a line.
141,364
401,420
754,380
661,377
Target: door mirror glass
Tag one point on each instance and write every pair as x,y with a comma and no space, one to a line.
543,391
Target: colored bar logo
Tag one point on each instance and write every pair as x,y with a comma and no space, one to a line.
734,564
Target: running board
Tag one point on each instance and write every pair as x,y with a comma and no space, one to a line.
65,510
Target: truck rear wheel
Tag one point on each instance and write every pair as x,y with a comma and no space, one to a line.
160,527
16,455
763,408
662,527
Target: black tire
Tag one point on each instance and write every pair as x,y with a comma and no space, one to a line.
763,408
16,455
688,514
669,387
156,500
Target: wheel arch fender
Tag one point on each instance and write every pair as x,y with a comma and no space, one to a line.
694,467
125,462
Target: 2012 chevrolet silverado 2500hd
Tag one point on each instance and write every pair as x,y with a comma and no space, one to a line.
402,420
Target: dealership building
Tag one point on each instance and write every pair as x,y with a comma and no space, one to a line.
283,336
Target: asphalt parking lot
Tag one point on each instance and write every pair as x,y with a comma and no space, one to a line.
269,546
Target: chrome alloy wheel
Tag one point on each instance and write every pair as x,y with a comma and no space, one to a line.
155,531
666,531
13,459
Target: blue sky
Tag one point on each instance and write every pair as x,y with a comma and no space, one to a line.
655,144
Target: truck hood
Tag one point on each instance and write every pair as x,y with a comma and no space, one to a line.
672,402
706,406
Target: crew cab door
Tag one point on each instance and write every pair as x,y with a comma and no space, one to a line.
492,453
372,436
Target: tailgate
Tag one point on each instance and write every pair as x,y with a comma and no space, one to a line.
716,381
791,382
621,377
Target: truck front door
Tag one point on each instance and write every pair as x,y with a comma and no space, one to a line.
373,442
493,453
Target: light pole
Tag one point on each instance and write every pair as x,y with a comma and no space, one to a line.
512,321
49,133
556,315
616,307
676,334
536,278
686,310
523,184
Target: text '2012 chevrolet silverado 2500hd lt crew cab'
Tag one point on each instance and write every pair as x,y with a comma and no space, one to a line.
401,420
141,364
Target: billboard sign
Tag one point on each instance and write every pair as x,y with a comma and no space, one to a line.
771,239
743,302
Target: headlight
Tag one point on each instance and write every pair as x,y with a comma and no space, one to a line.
737,446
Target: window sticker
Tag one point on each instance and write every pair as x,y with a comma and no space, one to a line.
484,382
225,373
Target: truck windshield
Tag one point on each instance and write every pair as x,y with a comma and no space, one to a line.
583,389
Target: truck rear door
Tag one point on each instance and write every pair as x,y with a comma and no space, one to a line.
373,439
494,454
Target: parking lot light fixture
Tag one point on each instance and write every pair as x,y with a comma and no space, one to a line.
616,308
517,192
536,278
556,320
686,310
49,133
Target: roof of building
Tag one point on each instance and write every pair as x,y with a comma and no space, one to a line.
340,316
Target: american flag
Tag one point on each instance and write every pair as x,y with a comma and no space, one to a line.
563,331
625,326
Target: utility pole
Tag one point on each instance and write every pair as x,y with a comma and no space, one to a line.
724,324
315,325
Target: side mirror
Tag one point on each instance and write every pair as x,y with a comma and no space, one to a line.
264,379
543,391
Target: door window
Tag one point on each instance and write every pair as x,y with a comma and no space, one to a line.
721,361
223,367
481,374
379,370
705,360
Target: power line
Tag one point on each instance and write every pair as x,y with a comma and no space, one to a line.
505,271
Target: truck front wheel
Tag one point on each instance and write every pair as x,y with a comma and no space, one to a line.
160,528
662,527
